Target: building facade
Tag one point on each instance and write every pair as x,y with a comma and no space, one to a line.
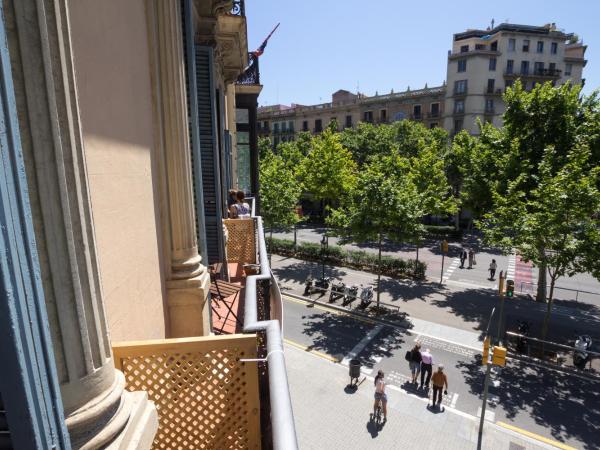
348,109
481,65
116,157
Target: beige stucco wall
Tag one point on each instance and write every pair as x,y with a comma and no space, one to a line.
113,79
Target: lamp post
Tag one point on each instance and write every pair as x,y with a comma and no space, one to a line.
485,385
324,243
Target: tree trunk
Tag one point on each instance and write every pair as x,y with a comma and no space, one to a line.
548,311
541,286
417,259
270,244
379,273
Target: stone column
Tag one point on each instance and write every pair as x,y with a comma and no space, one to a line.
188,280
98,411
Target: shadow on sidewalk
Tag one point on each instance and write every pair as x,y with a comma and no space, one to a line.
569,407
374,428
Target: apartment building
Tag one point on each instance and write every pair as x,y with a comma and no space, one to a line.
348,109
483,63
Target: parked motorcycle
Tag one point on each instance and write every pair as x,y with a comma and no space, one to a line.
581,356
350,294
366,297
321,285
338,290
523,328
308,285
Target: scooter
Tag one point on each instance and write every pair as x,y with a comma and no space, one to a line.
321,285
350,294
366,297
338,290
581,356
309,285
523,328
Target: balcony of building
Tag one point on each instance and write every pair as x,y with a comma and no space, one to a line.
535,73
493,91
228,390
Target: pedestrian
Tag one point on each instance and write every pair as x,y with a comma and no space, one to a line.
231,199
463,257
240,209
471,258
414,362
426,367
492,269
380,394
440,383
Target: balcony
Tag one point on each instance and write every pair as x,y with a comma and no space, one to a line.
416,116
229,390
492,91
459,92
539,73
433,115
251,74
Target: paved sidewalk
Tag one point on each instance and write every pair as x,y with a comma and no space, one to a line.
329,418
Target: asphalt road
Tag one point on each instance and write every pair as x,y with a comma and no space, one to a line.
544,401
525,275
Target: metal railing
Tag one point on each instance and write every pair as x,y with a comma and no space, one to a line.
238,8
252,73
533,288
281,414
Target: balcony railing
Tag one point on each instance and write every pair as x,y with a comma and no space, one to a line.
251,74
214,390
459,92
433,115
536,73
418,116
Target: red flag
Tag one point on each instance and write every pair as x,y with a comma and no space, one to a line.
259,51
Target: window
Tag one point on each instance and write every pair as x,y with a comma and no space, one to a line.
568,69
554,48
348,121
283,127
524,67
489,105
458,124
509,83
459,106
526,45
490,86
460,87
538,68
540,46
435,109
305,125
512,43
494,46
318,125
368,116
417,111
510,66
276,127
462,65
291,126
492,64
383,115
265,125
552,69
464,48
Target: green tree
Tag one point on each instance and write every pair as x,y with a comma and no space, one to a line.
384,204
368,140
279,194
545,169
329,170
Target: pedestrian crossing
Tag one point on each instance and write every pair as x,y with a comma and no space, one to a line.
451,268
512,264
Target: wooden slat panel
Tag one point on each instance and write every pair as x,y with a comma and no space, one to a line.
205,396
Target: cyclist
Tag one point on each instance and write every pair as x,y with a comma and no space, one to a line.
380,395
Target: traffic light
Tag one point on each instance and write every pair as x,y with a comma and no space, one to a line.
445,246
510,288
499,356
486,351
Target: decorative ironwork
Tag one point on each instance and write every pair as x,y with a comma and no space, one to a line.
251,75
238,8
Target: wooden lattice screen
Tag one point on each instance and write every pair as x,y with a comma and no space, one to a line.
240,241
205,397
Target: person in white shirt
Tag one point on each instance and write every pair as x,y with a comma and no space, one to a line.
492,269
426,367
380,394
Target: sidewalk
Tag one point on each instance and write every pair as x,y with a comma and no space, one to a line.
329,418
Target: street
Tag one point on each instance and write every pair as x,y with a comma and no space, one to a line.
538,399
524,274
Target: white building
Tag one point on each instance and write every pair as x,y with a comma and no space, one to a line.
483,63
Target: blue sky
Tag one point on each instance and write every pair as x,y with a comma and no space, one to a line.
379,45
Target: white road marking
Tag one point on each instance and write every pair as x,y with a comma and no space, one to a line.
490,416
451,268
512,264
454,400
361,345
